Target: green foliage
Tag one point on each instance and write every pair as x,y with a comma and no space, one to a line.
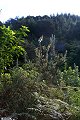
43,88
21,93
6,79
70,76
31,70
7,40
65,27
74,96
49,62
22,32
17,90
9,46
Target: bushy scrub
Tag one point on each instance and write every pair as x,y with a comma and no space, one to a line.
70,76
20,90
32,70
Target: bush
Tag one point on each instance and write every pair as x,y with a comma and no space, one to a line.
70,77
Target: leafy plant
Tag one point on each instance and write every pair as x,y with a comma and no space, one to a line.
70,76
10,46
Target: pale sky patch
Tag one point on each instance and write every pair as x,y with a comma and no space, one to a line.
13,8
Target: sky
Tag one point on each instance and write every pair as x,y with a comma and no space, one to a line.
12,8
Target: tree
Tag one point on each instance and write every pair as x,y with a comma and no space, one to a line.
10,45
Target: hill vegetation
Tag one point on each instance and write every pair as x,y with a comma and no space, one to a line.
40,68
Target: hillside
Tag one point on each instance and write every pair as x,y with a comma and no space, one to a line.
40,68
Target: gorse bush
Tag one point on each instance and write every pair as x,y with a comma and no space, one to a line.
33,98
18,89
70,76
32,70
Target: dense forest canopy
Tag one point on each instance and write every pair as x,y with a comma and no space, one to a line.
65,27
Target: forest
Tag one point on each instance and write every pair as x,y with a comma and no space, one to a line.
40,68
